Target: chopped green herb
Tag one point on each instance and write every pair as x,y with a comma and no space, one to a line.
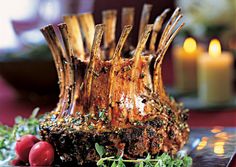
142,75
127,68
91,127
104,70
102,113
95,74
77,122
138,123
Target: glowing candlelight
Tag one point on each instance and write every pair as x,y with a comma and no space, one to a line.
215,48
215,74
190,45
185,65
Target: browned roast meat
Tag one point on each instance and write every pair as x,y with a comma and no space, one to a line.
109,99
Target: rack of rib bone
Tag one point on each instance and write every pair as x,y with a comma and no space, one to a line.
112,90
76,61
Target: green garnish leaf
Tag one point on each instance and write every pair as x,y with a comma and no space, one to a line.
114,164
187,161
34,113
147,159
120,162
100,162
100,149
141,164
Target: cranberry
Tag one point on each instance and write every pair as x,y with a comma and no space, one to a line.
23,146
17,162
41,154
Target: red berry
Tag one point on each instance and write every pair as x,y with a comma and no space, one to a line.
41,154
23,146
17,162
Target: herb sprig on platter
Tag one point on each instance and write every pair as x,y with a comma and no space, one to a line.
163,160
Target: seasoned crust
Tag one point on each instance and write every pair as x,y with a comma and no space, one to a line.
77,146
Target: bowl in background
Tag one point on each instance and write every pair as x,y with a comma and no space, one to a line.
30,71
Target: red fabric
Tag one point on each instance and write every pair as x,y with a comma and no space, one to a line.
11,105
225,117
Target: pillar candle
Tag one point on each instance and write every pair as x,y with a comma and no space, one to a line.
185,65
215,75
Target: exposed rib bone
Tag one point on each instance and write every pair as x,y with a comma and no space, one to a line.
123,37
140,47
66,39
172,27
57,53
168,27
99,29
109,20
164,43
115,59
127,17
136,66
156,28
75,36
175,14
87,24
69,66
172,38
157,77
144,18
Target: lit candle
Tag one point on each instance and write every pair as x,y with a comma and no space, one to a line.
185,65
215,75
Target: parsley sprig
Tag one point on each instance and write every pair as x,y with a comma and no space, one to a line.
163,160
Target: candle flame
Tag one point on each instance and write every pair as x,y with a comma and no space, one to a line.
214,48
190,45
